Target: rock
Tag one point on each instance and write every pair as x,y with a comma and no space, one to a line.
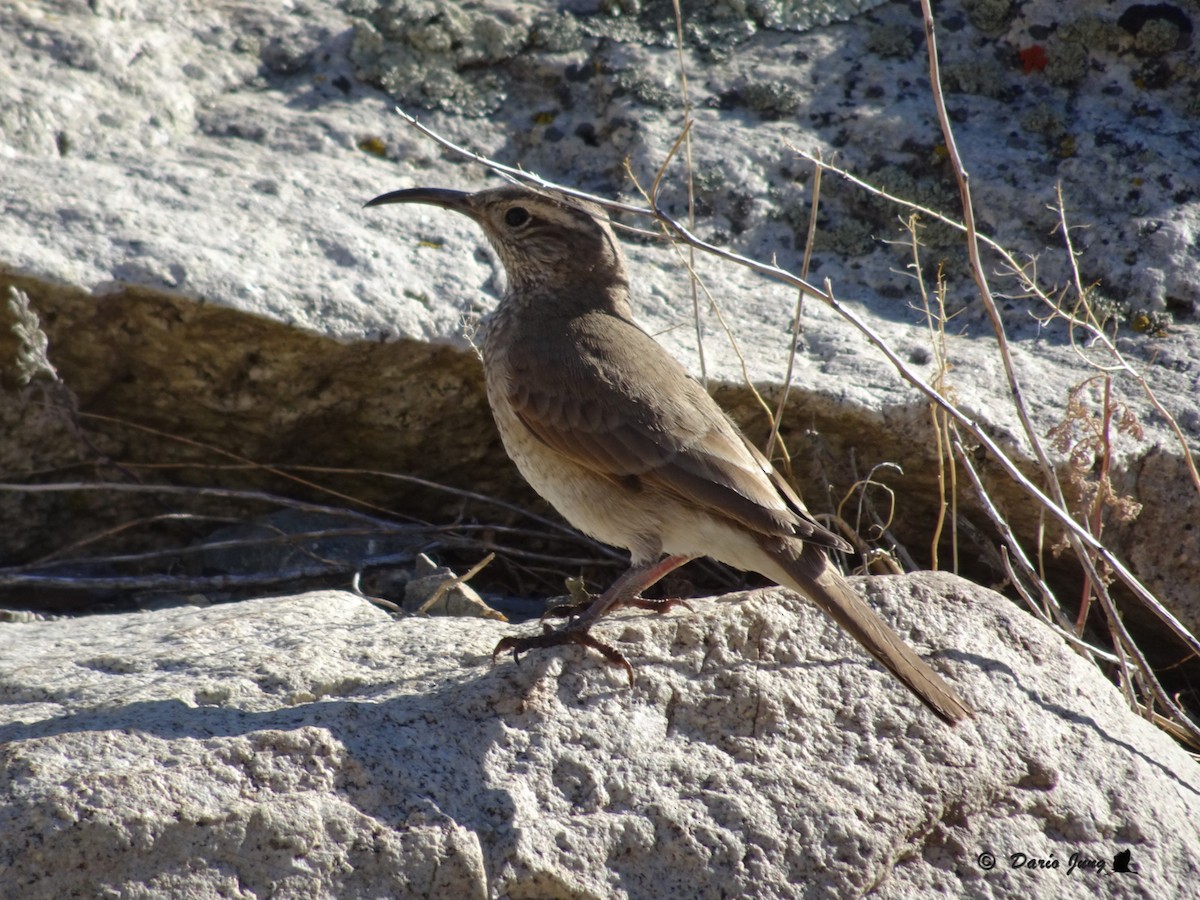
184,210
435,590
313,746
182,204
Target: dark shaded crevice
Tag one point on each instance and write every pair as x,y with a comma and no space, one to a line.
277,395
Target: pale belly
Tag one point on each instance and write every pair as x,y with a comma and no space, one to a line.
645,522
590,502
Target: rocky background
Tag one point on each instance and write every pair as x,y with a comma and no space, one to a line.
183,199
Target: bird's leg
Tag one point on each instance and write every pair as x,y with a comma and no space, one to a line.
567,610
624,591
627,590
581,600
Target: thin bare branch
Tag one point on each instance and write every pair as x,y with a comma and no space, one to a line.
797,324
453,582
1058,512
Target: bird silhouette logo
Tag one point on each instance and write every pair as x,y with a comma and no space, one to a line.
1121,860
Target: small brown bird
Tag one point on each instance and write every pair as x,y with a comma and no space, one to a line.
627,446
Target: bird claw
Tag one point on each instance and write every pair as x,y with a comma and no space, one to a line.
551,638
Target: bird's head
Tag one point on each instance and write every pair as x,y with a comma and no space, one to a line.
542,238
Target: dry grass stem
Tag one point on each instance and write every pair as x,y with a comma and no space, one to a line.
797,327
1061,515
948,420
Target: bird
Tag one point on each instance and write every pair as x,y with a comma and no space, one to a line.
626,445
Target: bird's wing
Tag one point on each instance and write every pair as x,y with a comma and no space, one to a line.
609,398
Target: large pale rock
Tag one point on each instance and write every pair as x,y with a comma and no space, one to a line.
312,746
181,191
168,170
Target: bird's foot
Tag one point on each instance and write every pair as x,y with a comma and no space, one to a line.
587,608
563,636
577,606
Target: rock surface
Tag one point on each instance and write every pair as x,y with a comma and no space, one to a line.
167,171
181,191
313,746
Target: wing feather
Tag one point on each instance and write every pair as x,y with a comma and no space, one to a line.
590,406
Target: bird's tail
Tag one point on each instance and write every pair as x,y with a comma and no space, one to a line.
810,572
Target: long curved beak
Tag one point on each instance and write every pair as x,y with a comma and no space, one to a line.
458,201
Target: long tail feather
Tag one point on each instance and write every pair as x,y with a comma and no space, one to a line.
810,573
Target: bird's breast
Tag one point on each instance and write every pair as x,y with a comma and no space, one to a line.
619,515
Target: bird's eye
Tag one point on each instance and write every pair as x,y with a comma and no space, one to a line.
517,216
